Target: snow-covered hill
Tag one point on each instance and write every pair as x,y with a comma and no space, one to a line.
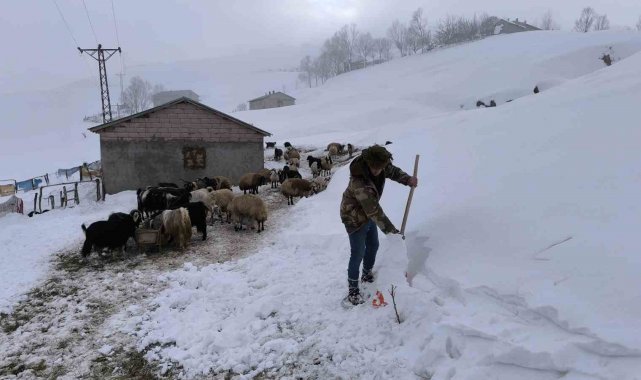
527,213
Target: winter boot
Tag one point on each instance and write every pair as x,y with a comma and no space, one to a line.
367,276
354,297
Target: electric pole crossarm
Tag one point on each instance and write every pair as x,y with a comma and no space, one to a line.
99,55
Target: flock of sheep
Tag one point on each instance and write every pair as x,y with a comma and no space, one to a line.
175,210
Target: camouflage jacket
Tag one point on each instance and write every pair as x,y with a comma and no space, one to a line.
360,199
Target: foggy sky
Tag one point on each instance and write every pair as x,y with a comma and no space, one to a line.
38,51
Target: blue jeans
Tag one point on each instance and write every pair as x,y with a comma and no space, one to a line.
364,245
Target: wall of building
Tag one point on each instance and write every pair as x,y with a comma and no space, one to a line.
128,165
148,150
271,102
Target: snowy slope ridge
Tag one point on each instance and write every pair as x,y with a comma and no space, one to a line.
527,212
500,68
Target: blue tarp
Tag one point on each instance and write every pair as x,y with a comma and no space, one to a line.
29,184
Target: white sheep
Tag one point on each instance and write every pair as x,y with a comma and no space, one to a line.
177,225
274,177
320,183
315,169
326,166
222,199
247,209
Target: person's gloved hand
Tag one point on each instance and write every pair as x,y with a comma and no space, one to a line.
412,182
390,229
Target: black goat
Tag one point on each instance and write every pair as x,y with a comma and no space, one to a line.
278,154
112,233
270,144
167,184
198,216
311,160
287,173
161,198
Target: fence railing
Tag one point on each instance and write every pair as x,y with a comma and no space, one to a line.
65,194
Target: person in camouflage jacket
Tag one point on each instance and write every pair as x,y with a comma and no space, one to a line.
361,212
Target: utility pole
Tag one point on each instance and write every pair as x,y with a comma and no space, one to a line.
99,55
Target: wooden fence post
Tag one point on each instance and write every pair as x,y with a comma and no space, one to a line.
35,199
40,201
77,196
97,190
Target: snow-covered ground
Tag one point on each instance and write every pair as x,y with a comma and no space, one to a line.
29,243
526,212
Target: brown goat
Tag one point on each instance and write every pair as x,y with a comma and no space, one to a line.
296,187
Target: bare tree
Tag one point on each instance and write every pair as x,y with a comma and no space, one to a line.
398,34
601,22
584,23
446,31
639,24
352,43
306,70
383,47
419,38
547,22
241,107
137,96
487,24
365,45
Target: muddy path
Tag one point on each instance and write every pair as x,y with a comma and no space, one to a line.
58,330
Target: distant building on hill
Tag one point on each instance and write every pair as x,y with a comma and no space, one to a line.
504,26
167,96
272,99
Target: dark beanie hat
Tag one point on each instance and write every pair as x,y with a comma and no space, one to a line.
377,157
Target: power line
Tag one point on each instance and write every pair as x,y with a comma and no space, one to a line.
89,71
115,23
66,24
90,24
122,65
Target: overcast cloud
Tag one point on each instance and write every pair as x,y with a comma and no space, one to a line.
39,52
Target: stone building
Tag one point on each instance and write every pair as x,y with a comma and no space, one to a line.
179,140
272,99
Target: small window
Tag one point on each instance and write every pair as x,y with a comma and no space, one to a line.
194,157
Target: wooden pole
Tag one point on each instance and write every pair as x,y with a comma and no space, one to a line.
40,201
409,199
76,195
